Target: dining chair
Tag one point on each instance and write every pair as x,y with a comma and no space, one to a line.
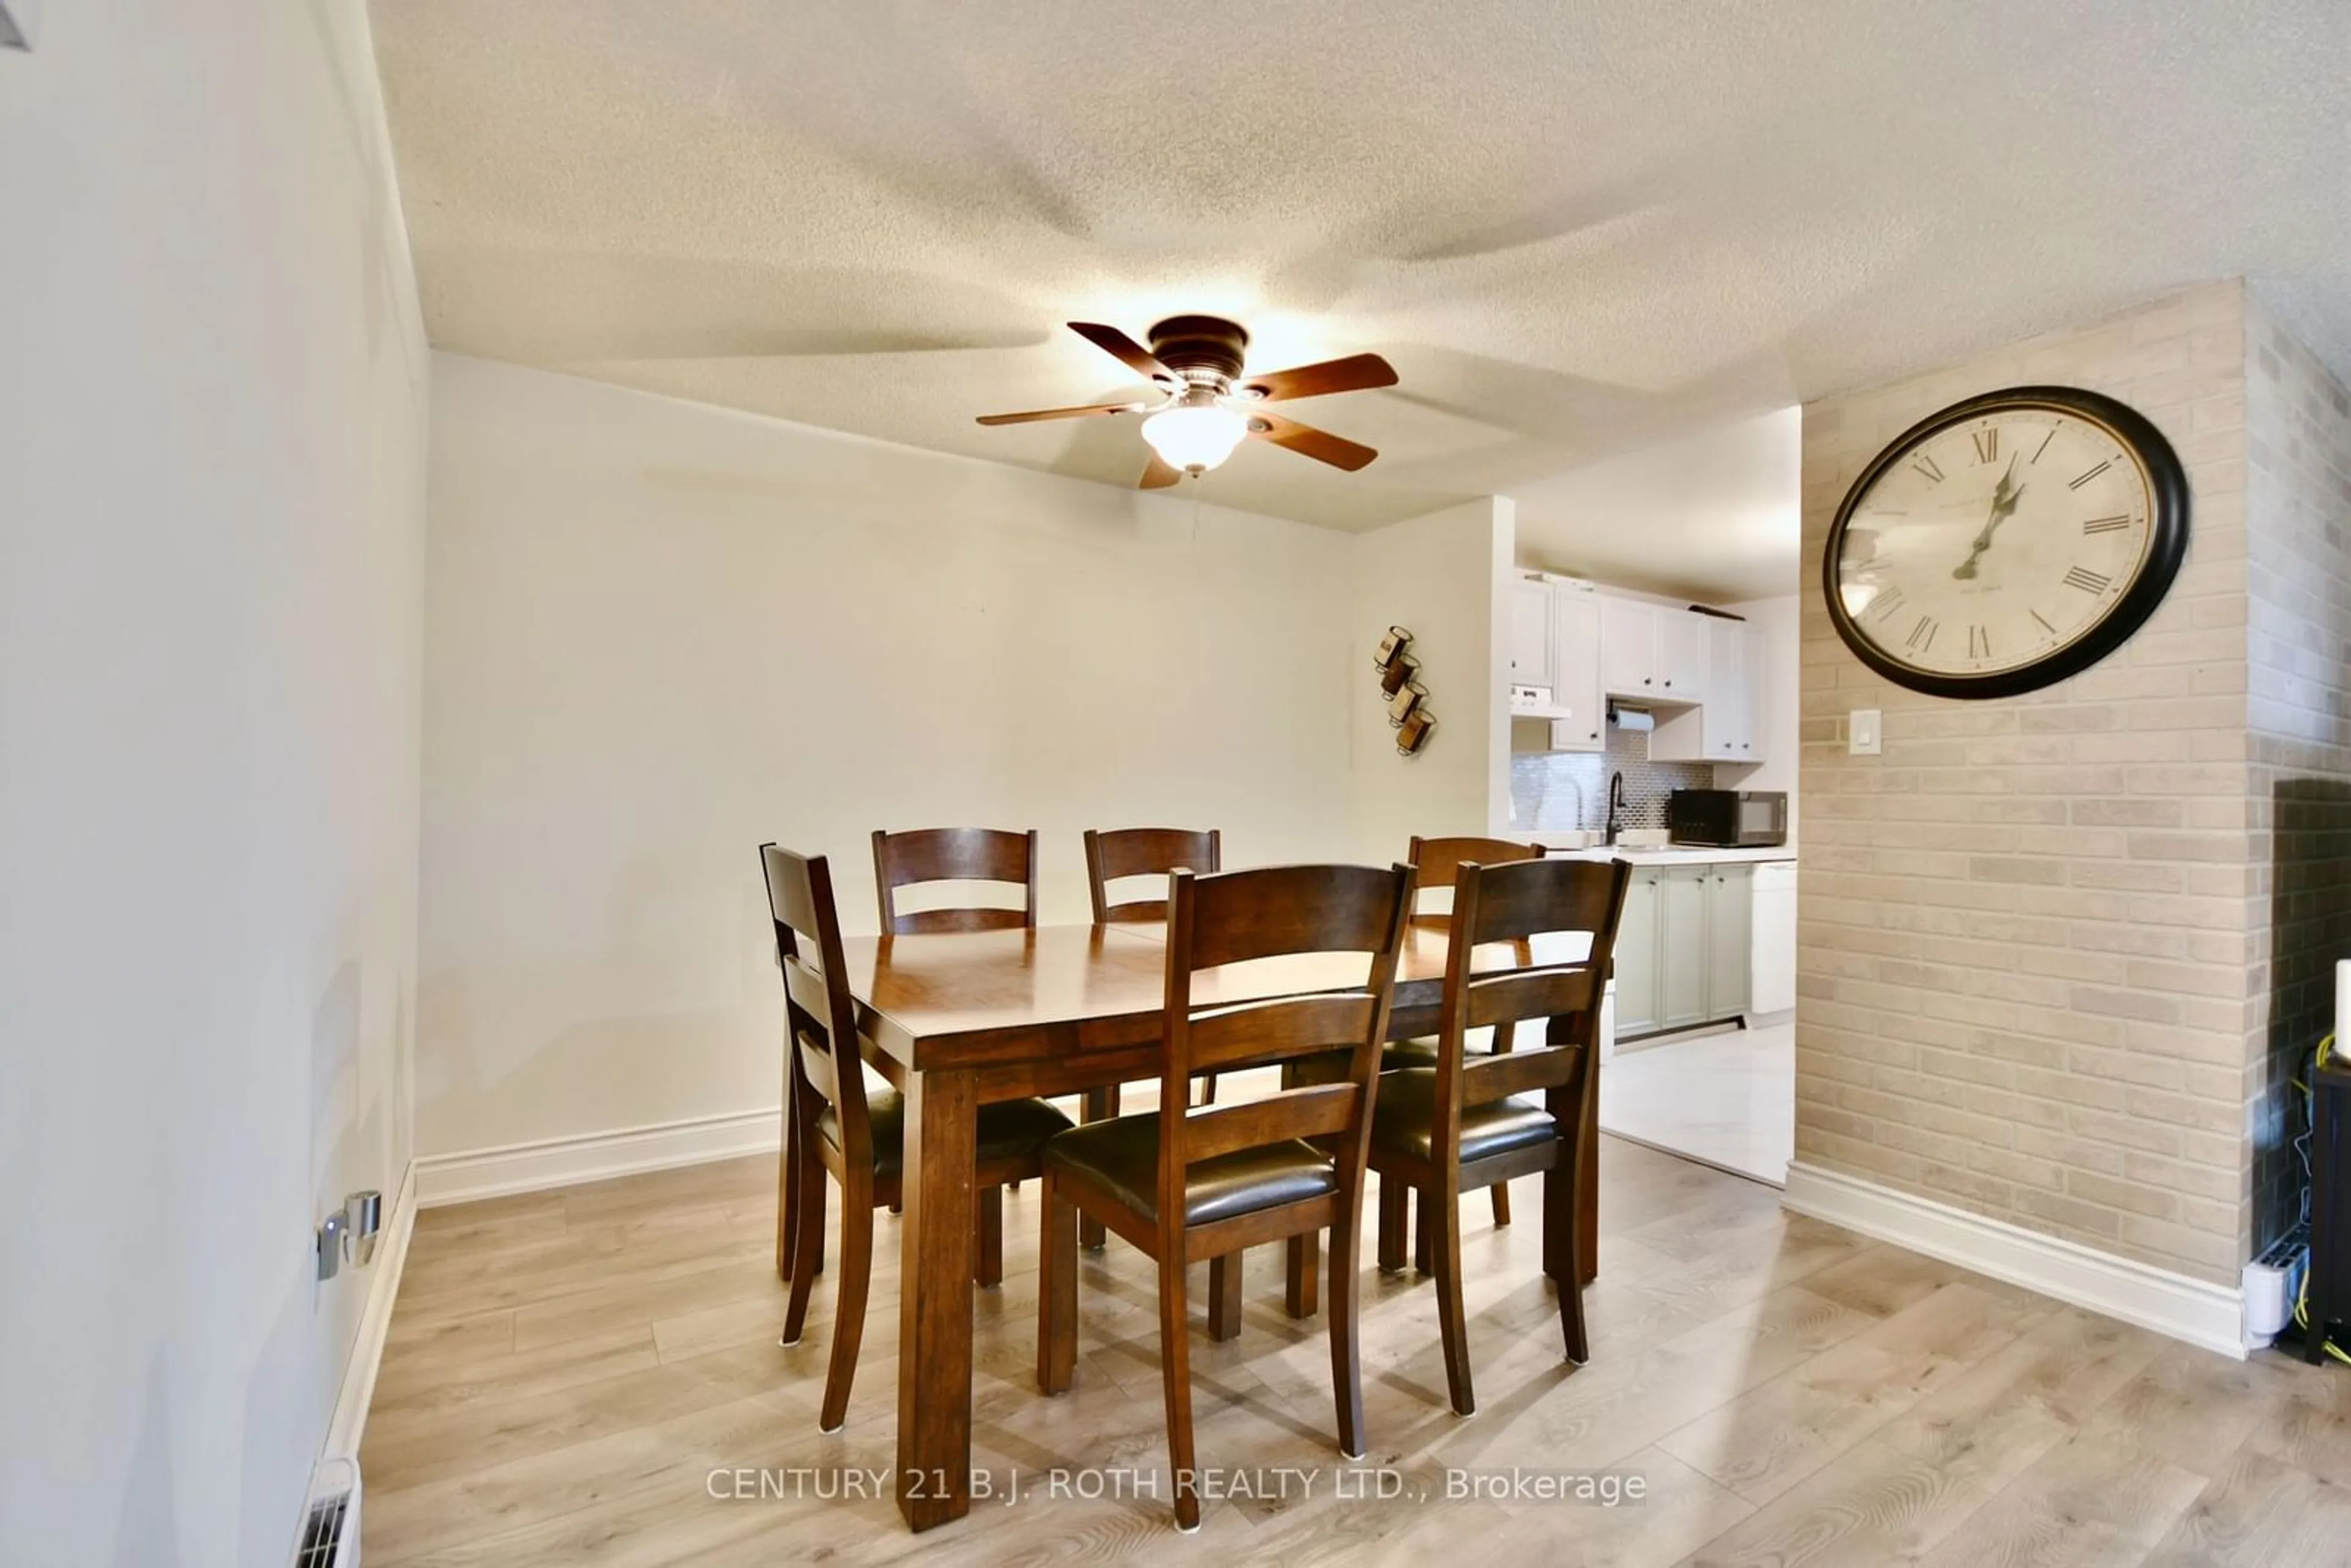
1210,1181
839,1127
955,855
1469,1120
1112,856
1434,863
1146,851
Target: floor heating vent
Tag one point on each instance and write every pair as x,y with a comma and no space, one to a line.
330,1528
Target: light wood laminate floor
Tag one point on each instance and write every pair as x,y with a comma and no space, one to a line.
566,1371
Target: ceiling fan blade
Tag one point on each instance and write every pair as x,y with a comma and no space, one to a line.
1320,445
1353,373
1032,415
1126,350
1159,476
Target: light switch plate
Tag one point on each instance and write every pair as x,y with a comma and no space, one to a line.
19,21
1863,736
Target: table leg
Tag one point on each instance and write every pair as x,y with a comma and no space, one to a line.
1300,1286
1224,1296
935,1299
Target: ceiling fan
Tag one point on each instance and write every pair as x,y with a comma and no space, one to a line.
1206,406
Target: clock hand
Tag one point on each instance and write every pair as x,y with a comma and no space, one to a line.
2003,502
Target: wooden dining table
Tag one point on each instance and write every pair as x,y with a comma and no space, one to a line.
962,1020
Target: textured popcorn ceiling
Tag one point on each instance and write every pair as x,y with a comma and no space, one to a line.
1576,229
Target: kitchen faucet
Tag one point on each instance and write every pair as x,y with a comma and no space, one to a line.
1615,807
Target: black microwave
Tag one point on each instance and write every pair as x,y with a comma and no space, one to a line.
1739,819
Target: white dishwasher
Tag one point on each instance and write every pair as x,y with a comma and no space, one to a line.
1772,973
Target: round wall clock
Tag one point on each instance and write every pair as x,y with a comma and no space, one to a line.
2006,543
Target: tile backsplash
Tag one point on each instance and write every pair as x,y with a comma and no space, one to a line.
1570,789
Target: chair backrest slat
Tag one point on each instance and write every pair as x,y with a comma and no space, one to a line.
1271,1031
816,1066
1435,862
1512,909
955,855
820,1016
1530,994
1276,912
1284,910
1512,1072
1317,1111
1146,851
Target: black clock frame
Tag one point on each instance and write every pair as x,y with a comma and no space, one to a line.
2167,542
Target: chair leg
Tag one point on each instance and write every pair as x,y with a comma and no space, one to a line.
1423,1233
1057,1291
1101,1105
1175,1380
1562,1245
1445,1203
1501,1192
1392,1224
1346,1357
1224,1297
1299,1288
988,1270
1208,1090
808,1246
849,1306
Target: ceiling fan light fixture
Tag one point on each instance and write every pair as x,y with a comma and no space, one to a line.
1195,436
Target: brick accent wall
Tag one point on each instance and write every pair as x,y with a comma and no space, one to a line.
2029,933
2298,578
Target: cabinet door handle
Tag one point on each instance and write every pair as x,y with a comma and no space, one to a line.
1646,681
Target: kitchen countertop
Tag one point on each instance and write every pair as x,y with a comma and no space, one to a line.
1658,854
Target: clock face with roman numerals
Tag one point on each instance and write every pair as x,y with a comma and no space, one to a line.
2008,542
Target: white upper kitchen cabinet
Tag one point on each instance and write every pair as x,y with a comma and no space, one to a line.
1727,727
1683,652
1575,682
1746,653
1531,631
1628,647
1652,652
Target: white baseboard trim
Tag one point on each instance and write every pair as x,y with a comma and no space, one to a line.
594,1156
2201,1313
358,1390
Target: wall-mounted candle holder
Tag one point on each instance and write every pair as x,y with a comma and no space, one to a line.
1407,699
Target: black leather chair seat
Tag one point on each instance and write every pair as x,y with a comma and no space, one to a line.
1402,1120
1123,1155
1009,1129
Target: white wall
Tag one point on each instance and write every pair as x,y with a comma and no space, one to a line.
212,428
1443,578
660,633
1780,621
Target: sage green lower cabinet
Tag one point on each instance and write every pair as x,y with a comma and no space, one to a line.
1683,921
1729,940
1637,957
1682,953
